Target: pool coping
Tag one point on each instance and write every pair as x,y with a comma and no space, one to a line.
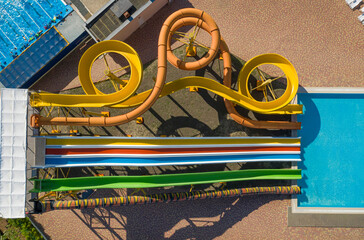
323,216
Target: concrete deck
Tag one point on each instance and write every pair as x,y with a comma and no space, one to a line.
333,220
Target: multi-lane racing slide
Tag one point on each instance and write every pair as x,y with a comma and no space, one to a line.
104,151
126,97
122,151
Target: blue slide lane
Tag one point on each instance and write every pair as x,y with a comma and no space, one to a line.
139,161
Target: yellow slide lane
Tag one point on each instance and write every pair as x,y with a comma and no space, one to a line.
124,98
94,97
170,141
48,99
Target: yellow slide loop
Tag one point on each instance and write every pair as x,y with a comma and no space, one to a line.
94,97
280,62
95,51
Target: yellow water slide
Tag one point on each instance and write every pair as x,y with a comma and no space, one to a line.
126,97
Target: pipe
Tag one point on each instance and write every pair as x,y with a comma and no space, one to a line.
48,205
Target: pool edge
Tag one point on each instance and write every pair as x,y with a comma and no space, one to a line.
328,219
323,216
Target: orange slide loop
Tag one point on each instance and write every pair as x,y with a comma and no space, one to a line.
205,22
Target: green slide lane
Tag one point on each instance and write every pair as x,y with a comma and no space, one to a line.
148,181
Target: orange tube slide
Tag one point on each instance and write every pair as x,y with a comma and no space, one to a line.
178,19
37,120
227,78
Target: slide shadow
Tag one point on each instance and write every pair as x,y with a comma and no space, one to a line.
311,125
182,220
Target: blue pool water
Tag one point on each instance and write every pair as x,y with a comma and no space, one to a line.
23,21
332,150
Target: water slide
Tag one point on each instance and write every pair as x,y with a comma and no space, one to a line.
101,151
91,160
172,142
126,97
165,180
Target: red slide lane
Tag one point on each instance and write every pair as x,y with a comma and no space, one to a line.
70,151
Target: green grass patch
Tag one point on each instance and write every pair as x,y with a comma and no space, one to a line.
19,228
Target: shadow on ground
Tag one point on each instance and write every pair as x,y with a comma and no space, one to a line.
202,219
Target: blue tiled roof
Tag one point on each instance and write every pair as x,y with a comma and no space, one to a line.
33,59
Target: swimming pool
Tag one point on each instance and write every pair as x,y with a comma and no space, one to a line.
332,150
23,21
